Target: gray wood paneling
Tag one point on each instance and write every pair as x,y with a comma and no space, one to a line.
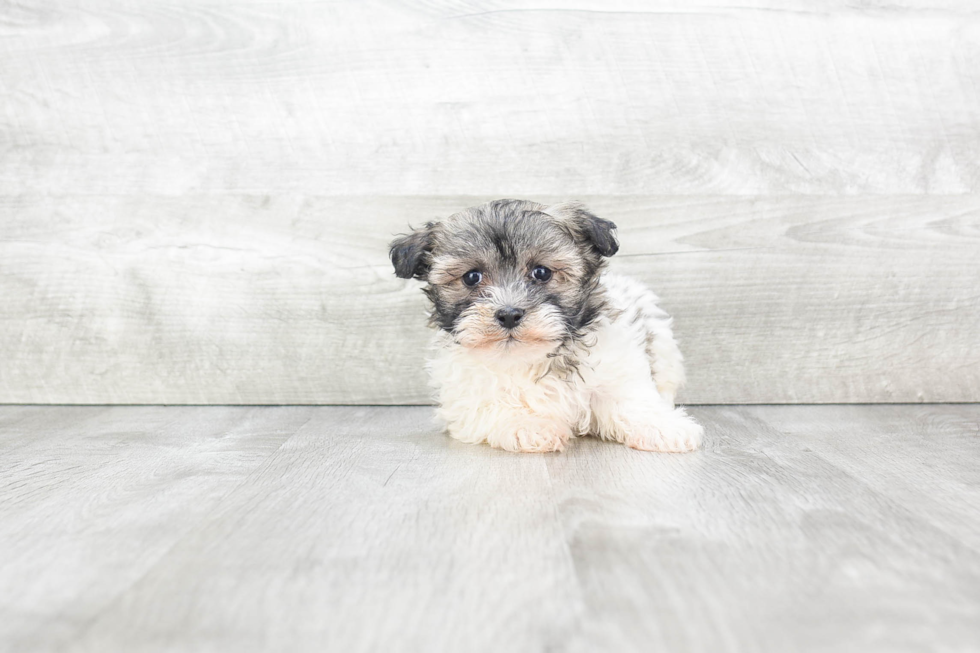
352,529
495,98
258,299
195,196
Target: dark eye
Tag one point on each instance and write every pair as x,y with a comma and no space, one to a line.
541,273
472,277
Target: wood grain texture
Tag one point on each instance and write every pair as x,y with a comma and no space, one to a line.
92,498
195,197
399,98
939,488
266,300
764,544
356,529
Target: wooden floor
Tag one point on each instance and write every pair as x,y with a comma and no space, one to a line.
807,528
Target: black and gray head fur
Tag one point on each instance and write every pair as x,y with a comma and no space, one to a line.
505,241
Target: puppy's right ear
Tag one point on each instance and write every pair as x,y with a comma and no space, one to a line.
601,234
410,253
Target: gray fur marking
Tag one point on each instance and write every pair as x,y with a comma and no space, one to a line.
504,240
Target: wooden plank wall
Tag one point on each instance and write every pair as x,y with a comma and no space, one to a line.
196,196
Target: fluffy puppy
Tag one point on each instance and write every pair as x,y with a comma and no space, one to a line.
535,345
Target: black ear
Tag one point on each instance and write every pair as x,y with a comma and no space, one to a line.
409,253
600,233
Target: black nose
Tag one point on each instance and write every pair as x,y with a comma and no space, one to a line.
509,317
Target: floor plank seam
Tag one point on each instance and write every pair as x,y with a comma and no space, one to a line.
189,532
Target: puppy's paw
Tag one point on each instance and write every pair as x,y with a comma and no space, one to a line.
671,432
533,435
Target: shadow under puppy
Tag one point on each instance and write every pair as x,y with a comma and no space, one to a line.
535,345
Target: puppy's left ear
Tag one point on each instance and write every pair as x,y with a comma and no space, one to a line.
600,233
410,253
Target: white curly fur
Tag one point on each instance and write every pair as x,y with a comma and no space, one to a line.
618,384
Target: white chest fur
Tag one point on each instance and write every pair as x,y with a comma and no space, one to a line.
617,383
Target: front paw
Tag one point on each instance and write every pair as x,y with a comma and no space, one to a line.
670,432
532,435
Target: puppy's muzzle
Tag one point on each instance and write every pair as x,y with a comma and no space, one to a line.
509,317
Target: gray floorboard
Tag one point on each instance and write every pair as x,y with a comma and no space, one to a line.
810,528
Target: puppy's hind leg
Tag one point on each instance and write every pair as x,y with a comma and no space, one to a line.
666,362
643,316
645,421
629,408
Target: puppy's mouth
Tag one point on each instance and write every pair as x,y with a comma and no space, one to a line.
480,329
508,341
513,341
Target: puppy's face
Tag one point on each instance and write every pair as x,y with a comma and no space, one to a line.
510,275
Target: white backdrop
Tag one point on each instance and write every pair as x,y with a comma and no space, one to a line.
196,197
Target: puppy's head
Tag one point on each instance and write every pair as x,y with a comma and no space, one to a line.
510,274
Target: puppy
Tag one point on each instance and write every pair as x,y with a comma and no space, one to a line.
535,345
